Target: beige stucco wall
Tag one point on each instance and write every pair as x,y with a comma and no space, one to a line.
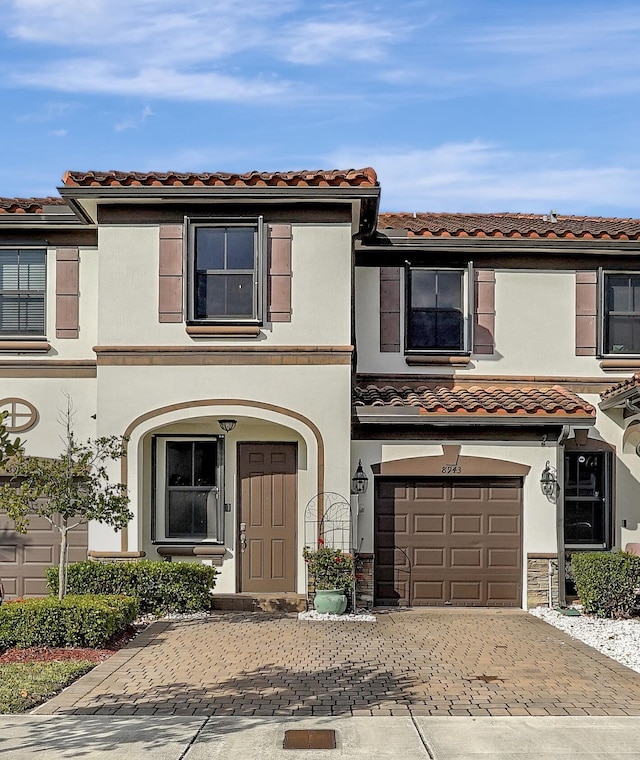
282,404
321,290
534,331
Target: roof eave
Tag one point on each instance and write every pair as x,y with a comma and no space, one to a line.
84,200
413,416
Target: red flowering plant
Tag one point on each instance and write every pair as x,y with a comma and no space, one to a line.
330,568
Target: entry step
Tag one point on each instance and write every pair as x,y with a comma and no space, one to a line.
259,602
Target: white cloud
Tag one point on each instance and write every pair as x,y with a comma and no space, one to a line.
198,50
134,122
321,41
95,76
59,132
481,177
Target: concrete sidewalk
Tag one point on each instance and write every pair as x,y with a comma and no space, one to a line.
54,737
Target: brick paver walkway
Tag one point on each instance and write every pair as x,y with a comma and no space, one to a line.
431,662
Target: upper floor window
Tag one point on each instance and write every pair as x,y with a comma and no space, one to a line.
435,310
621,314
225,273
22,292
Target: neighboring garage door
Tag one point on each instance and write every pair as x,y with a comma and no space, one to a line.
25,558
448,541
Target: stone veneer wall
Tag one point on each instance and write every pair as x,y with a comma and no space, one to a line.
364,580
538,579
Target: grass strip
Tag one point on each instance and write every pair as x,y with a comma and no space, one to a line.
27,684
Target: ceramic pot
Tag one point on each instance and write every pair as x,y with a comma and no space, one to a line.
330,600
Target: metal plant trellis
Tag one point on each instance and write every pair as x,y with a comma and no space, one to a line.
330,516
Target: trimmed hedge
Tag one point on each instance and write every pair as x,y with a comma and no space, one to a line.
607,582
159,587
76,621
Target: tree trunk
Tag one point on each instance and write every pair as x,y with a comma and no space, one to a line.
62,568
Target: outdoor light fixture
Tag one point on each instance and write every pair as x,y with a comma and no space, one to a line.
549,480
227,425
359,481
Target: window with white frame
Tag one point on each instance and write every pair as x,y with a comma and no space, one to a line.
225,265
436,313
22,292
620,323
189,501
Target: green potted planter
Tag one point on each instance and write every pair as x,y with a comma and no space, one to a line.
330,600
332,574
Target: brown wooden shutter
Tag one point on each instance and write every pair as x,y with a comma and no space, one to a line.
67,292
170,288
279,267
389,309
484,321
586,313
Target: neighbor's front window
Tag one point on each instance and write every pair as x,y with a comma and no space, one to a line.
225,273
621,319
188,499
435,313
22,292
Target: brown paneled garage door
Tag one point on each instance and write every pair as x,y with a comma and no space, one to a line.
25,558
448,541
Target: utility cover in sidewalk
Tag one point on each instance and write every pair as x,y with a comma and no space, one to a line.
310,739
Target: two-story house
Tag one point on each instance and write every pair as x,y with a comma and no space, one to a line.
255,336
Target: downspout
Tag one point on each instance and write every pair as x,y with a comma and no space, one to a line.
564,434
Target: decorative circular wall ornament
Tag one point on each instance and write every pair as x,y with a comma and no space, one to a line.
21,414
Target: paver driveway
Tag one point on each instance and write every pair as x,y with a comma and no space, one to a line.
428,662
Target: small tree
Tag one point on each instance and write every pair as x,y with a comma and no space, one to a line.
68,491
8,448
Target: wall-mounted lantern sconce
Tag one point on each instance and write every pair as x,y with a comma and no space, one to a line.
359,481
227,425
549,481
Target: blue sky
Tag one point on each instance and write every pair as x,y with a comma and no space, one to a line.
459,105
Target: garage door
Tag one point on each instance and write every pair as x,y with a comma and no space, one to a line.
445,541
25,558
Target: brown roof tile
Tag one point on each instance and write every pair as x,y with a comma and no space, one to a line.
28,205
625,385
511,225
517,401
320,178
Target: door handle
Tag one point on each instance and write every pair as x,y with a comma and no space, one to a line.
243,542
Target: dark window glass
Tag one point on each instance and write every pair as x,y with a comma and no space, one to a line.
435,318
22,292
622,314
225,273
191,474
587,500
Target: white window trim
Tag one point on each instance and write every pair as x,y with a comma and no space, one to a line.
215,501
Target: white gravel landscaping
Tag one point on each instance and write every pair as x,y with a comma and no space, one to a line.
350,617
618,639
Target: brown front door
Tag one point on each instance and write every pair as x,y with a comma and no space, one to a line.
267,488
448,541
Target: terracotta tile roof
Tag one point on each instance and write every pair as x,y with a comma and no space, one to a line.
27,205
625,385
477,400
511,225
320,178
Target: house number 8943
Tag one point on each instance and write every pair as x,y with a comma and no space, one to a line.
451,469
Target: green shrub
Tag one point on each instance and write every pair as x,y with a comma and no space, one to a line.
160,587
76,621
607,582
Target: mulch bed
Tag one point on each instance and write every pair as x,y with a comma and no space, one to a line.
85,654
